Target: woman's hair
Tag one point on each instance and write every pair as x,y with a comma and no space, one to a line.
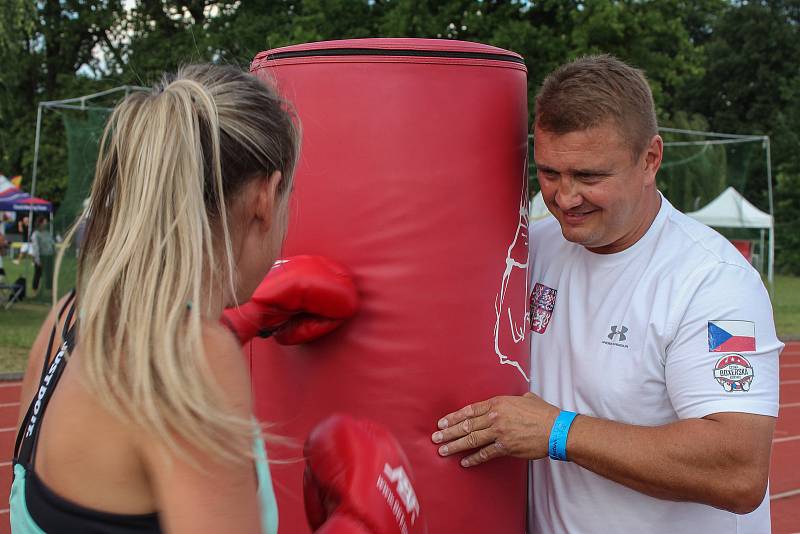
157,235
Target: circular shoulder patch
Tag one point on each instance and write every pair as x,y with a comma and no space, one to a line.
734,372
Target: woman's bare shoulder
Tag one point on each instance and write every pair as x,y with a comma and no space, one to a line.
228,364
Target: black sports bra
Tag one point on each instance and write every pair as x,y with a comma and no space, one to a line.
35,508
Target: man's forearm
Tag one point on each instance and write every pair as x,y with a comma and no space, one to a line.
721,460
699,460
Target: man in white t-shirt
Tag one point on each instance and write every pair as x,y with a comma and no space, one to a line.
648,325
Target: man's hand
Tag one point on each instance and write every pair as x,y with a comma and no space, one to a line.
501,426
721,460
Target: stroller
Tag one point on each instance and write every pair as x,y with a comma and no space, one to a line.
11,293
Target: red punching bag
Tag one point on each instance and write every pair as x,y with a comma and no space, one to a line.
413,174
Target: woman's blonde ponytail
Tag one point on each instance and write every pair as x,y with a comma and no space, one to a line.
157,232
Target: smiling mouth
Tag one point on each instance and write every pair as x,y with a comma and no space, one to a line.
577,213
576,217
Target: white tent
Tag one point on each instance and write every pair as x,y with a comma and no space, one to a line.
731,210
537,209
5,183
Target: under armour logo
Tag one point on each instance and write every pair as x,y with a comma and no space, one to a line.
615,332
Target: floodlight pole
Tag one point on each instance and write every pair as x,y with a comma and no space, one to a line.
771,266
35,167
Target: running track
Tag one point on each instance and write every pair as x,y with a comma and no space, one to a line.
784,475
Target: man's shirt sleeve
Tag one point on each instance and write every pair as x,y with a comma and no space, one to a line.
724,354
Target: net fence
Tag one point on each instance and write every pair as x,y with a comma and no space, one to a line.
83,132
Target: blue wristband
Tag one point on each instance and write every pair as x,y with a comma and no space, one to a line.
558,436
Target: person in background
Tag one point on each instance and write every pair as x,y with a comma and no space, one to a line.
3,251
43,249
23,227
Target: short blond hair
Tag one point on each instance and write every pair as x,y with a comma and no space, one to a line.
591,90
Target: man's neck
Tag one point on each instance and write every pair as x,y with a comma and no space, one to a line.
650,210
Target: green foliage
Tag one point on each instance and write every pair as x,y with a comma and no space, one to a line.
650,35
752,85
42,47
692,176
786,304
23,320
725,65
787,208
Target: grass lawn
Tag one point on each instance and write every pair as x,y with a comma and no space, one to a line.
786,303
20,324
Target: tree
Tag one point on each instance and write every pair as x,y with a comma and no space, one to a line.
725,63
751,85
691,176
17,26
44,45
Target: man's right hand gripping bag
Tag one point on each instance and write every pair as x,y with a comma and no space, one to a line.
413,175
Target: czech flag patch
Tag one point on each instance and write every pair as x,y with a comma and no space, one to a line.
731,336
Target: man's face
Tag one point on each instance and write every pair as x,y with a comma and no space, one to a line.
602,196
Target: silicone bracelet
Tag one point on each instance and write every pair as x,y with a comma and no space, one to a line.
558,436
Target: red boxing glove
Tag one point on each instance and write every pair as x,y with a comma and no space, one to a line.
358,480
343,525
301,299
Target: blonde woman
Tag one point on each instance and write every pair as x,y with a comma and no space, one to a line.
148,428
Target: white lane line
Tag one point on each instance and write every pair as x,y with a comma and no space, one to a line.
10,384
790,405
783,495
788,382
8,404
9,429
787,438
5,464
791,365
4,511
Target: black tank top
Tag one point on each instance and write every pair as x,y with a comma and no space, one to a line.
52,513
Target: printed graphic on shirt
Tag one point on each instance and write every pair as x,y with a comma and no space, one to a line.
729,336
734,372
618,334
543,302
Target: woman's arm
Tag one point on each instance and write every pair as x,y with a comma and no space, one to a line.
213,494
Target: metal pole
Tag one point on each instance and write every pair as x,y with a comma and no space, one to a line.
771,261
706,134
35,168
96,95
771,266
712,142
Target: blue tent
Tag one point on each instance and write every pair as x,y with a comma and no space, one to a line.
15,199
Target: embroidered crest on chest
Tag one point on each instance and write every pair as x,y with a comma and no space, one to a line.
543,302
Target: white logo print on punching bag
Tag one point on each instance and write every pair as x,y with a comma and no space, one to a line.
511,311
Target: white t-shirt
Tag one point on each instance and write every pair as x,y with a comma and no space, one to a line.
677,326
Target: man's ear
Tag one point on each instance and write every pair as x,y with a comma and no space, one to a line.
266,198
653,155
